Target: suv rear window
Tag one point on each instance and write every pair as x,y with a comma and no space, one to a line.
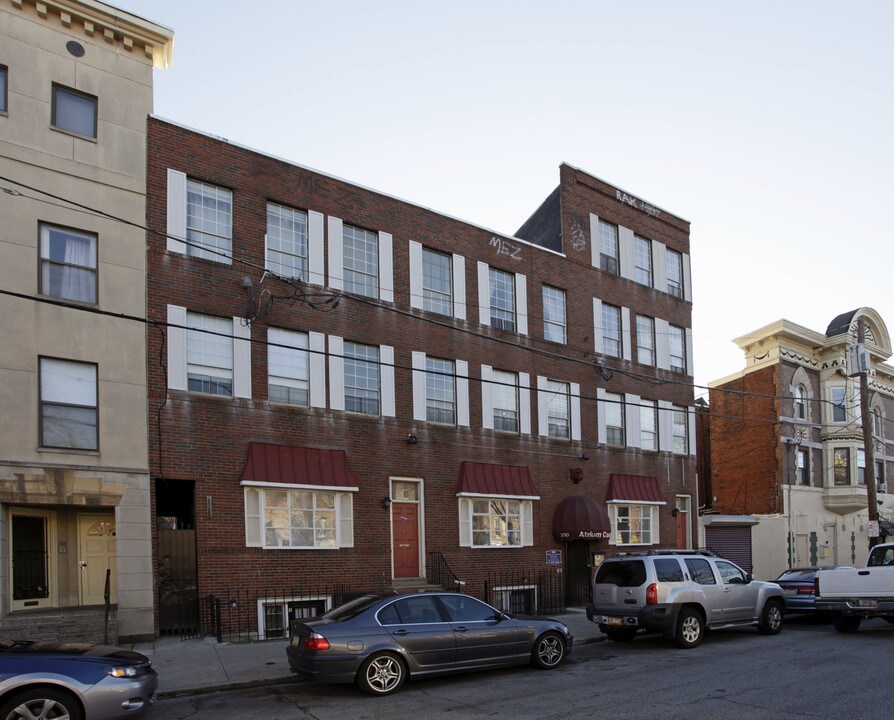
623,573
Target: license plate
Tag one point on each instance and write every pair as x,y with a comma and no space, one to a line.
614,620
867,603
790,591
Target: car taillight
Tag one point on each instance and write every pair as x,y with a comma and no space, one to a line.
316,642
806,590
652,594
816,586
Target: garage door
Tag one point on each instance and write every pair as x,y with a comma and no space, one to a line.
733,543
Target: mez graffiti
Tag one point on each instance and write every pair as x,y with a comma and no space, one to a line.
504,247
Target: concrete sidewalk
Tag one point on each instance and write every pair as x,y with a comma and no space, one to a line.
194,666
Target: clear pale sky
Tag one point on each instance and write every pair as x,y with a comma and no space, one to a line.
768,125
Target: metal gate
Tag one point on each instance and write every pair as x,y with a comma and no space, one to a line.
178,593
577,572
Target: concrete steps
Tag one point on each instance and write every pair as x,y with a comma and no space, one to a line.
82,624
414,584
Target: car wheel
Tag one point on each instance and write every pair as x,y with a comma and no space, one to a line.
381,674
771,618
845,623
620,634
549,651
690,629
42,704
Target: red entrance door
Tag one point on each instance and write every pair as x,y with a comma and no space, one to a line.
404,521
682,534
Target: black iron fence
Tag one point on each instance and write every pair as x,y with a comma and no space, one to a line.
439,573
526,592
265,613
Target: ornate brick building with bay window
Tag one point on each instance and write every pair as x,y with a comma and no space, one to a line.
349,391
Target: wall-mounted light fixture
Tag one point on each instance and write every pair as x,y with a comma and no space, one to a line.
412,439
584,456
386,502
675,512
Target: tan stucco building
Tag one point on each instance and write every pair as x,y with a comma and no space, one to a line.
75,93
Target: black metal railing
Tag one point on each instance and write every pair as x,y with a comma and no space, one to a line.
439,573
526,592
265,613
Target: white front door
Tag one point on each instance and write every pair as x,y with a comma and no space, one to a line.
32,542
96,547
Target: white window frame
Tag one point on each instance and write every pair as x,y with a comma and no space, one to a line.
642,261
609,238
613,402
71,387
286,244
642,510
555,397
649,434
354,268
504,384
467,502
254,498
520,298
610,313
220,249
362,362
554,315
76,271
417,281
645,352
680,420
437,381
288,363
676,346
283,602
837,407
209,349
675,282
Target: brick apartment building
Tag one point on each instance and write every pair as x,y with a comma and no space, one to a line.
349,391
787,457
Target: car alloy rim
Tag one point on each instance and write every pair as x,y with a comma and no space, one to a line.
774,617
550,650
40,709
691,629
383,674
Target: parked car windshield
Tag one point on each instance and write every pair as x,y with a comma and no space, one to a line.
623,573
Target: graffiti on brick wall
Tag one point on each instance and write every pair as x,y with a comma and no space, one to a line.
504,247
637,203
578,235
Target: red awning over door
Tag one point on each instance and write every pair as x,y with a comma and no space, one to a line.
580,518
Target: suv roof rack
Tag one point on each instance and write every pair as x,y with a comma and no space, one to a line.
707,552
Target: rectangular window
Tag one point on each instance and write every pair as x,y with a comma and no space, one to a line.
648,424
502,300
68,264
676,343
642,260
288,369
608,248
209,354
4,85
209,222
437,282
554,315
440,391
299,518
505,400
680,430
361,261
633,524
841,463
69,403
803,467
614,419
558,409
839,413
861,467
645,340
611,330
674,273
286,241
362,382
880,473
74,111
496,523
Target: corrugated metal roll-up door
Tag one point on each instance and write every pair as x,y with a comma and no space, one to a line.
731,542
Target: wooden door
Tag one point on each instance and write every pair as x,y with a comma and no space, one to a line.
682,529
96,544
405,531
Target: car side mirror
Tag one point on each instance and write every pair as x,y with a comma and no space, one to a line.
749,578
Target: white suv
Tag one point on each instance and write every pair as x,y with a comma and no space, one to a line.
680,593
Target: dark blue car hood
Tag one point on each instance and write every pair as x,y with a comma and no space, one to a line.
116,655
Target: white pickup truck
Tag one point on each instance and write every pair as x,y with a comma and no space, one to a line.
851,595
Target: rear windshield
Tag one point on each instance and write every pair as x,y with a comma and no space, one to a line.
623,573
798,575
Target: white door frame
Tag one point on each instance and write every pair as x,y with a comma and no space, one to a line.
420,518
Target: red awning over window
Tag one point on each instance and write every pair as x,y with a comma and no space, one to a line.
292,465
512,481
634,489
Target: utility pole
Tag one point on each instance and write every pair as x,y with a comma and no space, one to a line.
868,443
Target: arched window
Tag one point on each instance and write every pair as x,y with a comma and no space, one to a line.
878,424
800,402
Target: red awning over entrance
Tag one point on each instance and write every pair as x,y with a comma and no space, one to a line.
512,481
292,465
580,518
634,489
